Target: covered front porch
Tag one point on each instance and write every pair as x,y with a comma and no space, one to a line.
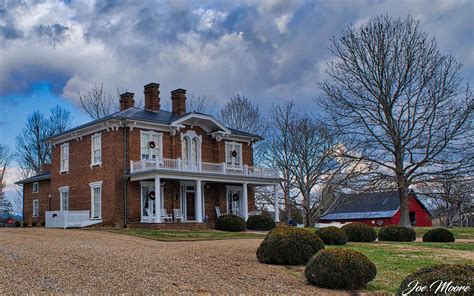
191,200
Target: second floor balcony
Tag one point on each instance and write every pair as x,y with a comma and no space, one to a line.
179,165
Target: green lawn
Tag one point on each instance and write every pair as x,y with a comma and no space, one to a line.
394,260
184,235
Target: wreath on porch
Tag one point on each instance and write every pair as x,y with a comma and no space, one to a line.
152,195
234,153
152,144
235,197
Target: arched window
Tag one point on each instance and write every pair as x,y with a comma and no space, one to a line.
191,150
186,148
194,152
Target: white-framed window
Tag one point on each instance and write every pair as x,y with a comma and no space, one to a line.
96,149
64,157
64,198
35,208
151,145
191,147
96,200
35,187
233,154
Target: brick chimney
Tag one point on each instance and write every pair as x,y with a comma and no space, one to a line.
45,167
126,101
152,97
178,101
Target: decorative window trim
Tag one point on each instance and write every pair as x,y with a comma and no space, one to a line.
35,188
64,164
234,144
96,136
61,191
93,186
160,144
190,135
35,207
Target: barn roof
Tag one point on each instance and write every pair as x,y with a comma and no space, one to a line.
369,205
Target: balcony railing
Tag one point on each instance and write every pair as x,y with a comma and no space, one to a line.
201,167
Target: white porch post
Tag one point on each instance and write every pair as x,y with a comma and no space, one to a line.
245,203
157,199
198,202
277,203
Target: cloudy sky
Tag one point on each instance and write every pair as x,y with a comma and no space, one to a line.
266,50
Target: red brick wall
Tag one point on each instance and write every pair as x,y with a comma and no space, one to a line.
42,196
81,174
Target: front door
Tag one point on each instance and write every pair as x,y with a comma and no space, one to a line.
188,191
190,215
234,200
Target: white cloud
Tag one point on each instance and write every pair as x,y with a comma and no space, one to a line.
268,50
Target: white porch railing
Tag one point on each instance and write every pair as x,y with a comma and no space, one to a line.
201,167
67,219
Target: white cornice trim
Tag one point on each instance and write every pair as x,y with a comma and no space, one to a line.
201,116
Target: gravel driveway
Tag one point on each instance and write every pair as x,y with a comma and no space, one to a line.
86,261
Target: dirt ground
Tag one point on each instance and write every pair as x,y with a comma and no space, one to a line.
39,260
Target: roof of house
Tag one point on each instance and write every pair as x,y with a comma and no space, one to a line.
141,114
369,205
36,178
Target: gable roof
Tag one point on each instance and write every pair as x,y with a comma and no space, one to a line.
162,117
35,178
369,205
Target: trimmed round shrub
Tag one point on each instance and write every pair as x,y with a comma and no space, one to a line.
340,269
230,223
260,222
34,223
332,235
360,232
439,235
459,274
17,223
289,246
396,233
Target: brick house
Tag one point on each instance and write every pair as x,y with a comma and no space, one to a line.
147,166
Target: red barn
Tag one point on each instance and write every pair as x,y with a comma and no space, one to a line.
378,209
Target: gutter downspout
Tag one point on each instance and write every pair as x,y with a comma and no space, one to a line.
23,207
125,173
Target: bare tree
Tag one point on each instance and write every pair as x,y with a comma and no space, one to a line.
97,102
5,158
198,103
315,168
451,197
400,103
32,151
241,114
279,150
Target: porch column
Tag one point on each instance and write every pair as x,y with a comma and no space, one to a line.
198,202
157,199
245,203
277,203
